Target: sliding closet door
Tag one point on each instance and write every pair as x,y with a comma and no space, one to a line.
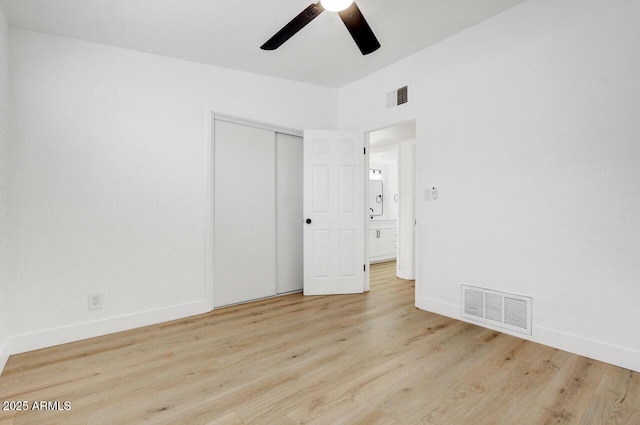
244,213
289,212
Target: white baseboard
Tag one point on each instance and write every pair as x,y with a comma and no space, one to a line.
438,307
50,337
3,355
616,355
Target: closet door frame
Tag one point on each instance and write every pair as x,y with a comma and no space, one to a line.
212,117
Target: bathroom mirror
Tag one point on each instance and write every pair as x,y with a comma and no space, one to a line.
375,198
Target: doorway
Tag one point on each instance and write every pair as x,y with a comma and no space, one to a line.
391,197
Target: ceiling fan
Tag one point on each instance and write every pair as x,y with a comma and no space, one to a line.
349,13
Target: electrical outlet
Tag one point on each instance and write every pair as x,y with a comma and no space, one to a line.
95,301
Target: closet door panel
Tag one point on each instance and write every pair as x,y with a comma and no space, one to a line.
244,213
289,212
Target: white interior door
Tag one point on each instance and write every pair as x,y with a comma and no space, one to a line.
334,212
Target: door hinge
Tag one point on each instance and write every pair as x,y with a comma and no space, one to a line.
364,267
365,150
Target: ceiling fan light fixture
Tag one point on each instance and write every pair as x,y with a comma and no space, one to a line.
335,5
348,12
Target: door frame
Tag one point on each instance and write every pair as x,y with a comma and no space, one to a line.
416,195
367,221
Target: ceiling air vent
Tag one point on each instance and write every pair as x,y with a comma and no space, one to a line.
398,97
495,308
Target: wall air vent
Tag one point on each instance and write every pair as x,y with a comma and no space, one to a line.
402,95
495,308
398,97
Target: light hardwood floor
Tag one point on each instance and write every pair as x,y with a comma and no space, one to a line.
352,359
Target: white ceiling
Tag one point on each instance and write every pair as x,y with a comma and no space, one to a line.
229,33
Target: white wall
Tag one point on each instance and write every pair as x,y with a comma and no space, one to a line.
528,124
109,182
4,187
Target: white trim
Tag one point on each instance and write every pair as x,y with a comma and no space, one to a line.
4,355
407,121
62,335
599,350
367,221
438,307
276,248
417,207
256,124
208,250
591,348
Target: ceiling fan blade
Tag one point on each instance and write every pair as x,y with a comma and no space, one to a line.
296,24
359,29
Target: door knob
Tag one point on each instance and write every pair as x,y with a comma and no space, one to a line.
308,221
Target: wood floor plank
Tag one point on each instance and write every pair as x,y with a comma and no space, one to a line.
351,386
568,395
230,419
604,411
481,371
411,399
364,414
621,386
7,418
347,359
510,400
